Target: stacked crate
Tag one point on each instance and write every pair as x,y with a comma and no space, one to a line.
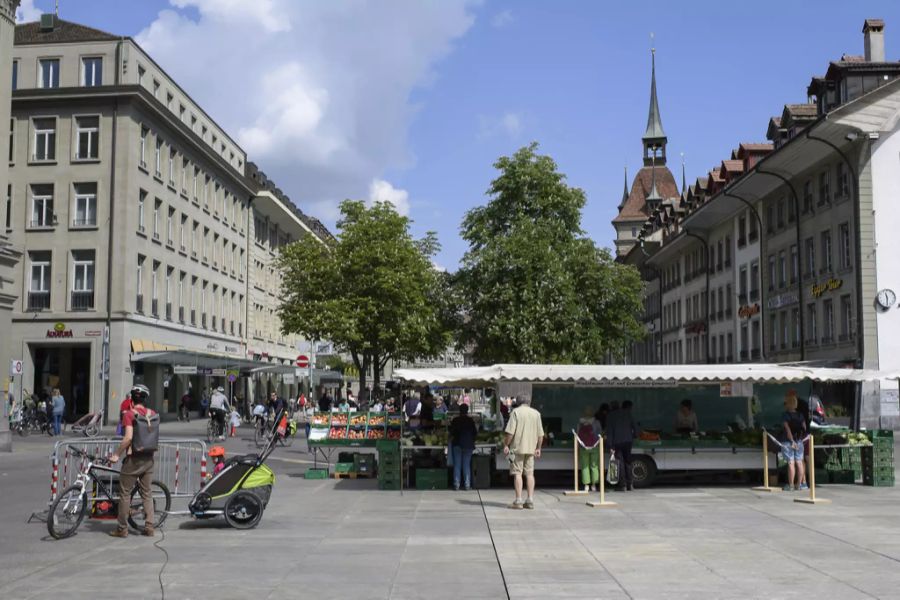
389,468
878,459
841,465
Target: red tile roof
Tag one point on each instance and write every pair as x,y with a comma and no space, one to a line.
733,166
755,147
635,207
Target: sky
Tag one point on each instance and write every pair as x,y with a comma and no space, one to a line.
412,101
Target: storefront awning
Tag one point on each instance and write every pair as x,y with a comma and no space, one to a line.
205,360
650,374
321,375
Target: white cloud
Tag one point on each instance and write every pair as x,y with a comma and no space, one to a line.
318,93
28,12
509,124
502,19
382,191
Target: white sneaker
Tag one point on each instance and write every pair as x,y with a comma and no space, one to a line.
587,488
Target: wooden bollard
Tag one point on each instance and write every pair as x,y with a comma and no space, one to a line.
765,487
576,491
602,503
811,477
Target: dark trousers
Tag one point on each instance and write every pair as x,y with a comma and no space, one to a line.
623,453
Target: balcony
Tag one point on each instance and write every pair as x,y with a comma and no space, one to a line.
139,303
168,311
181,314
154,307
83,300
38,301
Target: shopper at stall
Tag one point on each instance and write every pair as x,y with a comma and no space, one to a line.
462,443
59,407
440,409
686,418
620,433
588,455
522,439
600,419
792,443
413,411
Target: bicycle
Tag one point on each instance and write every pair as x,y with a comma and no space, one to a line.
88,425
69,508
264,432
214,429
33,421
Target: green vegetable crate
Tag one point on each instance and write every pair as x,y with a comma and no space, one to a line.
346,467
316,474
364,463
431,479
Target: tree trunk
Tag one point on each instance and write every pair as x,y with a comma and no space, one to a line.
376,375
364,373
360,368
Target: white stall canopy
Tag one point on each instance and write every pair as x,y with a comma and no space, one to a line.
652,375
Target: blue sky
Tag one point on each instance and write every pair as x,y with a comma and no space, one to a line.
413,101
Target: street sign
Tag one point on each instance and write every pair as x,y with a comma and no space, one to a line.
287,378
185,369
302,361
232,374
232,378
324,348
15,367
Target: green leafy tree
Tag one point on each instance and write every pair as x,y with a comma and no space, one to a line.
372,293
533,287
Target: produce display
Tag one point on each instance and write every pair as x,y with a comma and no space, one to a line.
394,421
339,419
375,434
337,433
321,420
393,434
376,419
354,429
356,434
357,420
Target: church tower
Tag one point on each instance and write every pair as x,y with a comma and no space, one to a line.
653,184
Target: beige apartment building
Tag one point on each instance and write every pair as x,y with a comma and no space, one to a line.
132,208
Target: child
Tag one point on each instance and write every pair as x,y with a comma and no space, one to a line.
235,420
217,454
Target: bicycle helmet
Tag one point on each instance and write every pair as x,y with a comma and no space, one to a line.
221,389
140,392
216,451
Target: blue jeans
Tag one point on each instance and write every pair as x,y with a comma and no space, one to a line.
462,461
57,424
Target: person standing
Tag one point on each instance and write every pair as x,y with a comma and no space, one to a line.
794,424
184,411
588,455
58,404
124,407
137,466
620,432
462,443
523,437
204,402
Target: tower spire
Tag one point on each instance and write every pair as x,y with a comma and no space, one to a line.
653,198
654,137
624,190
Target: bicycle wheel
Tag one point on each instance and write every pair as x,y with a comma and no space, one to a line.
259,435
67,512
92,430
162,502
210,431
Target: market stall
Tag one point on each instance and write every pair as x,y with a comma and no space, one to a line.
733,403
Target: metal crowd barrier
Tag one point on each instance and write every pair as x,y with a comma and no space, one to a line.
179,464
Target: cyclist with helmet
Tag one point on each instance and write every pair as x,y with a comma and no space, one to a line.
137,467
218,408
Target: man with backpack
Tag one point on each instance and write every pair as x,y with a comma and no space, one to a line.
138,446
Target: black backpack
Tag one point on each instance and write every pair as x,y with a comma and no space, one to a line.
145,432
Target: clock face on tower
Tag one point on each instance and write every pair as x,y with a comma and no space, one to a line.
886,298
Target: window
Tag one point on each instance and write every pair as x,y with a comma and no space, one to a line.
795,263
754,280
783,330
181,111
39,283
169,99
846,318
205,243
826,252
729,300
754,230
755,338
141,72
8,206
168,298
742,230
156,89
844,245
193,300
795,327
172,166
215,250
843,183
157,204
42,205
790,210
196,180
12,139
809,251
742,284
82,279
195,239
145,134
139,275
745,347
142,200
812,329
184,174
780,213
48,71
15,75
44,139
730,346
824,188
206,192
87,131
154,289
91,71
158,157
170,227
182,276
828,323
727,251
85,205
183,240
782,269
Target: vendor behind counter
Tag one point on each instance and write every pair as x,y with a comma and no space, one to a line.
686,418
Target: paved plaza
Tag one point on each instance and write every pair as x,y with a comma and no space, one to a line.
345,539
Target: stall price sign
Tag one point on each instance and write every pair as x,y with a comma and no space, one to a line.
302,361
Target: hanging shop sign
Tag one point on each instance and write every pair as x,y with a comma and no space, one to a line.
748,310
232,349
782,300
817,289
287,378
93,333
59,331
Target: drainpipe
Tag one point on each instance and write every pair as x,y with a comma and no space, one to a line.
799,256
706,293
860,342
762,313
107,337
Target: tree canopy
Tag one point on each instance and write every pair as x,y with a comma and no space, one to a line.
533,287
374,293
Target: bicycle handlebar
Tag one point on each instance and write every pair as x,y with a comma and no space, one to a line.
90,457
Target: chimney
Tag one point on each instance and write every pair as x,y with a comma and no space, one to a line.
48,22
874,35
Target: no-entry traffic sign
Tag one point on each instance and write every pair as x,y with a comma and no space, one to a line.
303,361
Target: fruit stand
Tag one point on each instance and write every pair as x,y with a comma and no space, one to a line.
733,402
330,431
